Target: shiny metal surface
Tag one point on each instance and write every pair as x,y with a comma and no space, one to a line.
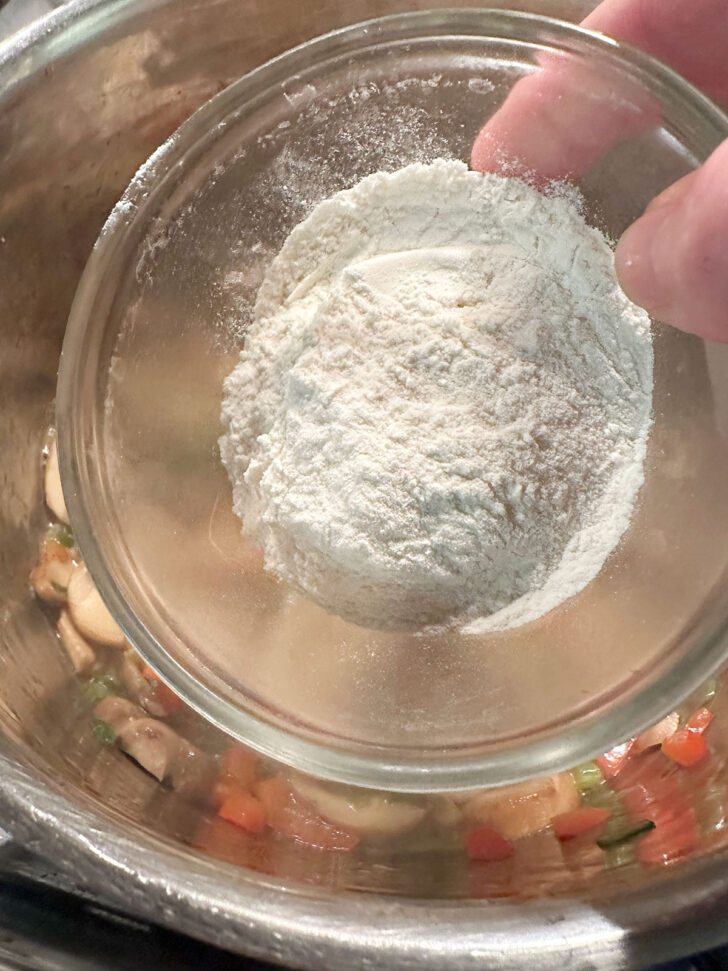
84,97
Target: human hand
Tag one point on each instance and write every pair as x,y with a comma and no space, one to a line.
674,260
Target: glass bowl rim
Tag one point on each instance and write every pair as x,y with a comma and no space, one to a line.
579,739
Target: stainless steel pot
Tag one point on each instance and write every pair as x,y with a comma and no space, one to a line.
85,96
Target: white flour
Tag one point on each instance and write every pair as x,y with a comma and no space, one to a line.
441,409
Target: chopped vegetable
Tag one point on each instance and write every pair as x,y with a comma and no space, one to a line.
89,612
292,816
611,762
624,833
239,765
700,720
525,808
52,574
586,776
156,747
152,744
61,533
578,821
79,650
167,699
656,735
98,687
244,810
138,687
685,747
486,846
103,731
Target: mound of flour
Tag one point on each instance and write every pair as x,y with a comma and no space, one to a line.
441,408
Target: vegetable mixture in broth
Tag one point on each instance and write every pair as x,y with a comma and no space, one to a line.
631,803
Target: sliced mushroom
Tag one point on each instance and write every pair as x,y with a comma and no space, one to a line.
151,743
658,733
157,748
138,686
52,484
51,576
192,772
525,808
117,711
81,653
89,612
371,813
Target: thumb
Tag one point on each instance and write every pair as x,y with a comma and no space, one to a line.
674,260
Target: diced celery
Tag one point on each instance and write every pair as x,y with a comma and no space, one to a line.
586,776
103,731
623,831
62,534
98,687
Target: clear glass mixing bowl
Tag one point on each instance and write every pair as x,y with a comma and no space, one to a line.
158,320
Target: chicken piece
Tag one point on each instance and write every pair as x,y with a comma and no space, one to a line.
51,576
81,653
525,808
52,485
89,612
366,812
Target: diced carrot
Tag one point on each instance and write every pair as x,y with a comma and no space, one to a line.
170,701
699,720
568,825
485,845
242,809
685,747
239,764
612,762
291,816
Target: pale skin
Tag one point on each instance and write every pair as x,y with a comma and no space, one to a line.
674,259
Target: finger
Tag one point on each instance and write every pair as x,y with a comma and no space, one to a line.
674,260
557,122
691,36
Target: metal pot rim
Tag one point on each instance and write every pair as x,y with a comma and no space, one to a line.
311,927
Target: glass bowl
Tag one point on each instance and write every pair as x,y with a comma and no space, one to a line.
159,318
